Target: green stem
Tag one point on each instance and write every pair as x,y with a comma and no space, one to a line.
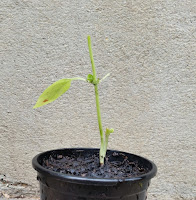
78,78
91,57
95,81
104,77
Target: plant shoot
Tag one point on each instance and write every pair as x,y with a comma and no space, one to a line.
61,86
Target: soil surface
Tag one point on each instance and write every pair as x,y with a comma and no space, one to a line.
116,165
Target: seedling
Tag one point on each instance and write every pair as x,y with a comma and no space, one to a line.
61,86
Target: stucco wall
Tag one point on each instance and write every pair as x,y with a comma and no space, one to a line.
149,47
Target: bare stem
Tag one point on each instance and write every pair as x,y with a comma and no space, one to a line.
95,82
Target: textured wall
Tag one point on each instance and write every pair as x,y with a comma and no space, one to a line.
149,47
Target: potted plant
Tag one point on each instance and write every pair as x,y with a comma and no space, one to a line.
90,174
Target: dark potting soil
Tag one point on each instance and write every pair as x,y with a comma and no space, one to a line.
116,166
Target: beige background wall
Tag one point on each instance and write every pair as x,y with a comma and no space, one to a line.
149,47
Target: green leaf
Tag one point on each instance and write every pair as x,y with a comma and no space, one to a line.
53,92
108,131
90,78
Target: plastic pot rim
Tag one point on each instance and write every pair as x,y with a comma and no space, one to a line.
89,180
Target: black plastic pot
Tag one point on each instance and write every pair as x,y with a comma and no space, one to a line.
57,186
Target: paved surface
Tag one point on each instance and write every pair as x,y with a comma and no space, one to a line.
30,198
20,199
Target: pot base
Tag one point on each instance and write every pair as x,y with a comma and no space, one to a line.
57,186
49,194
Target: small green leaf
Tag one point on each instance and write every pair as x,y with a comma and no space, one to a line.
53,92
111,130
108,131
90,78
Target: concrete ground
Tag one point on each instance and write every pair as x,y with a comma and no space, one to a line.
4,198
20,199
